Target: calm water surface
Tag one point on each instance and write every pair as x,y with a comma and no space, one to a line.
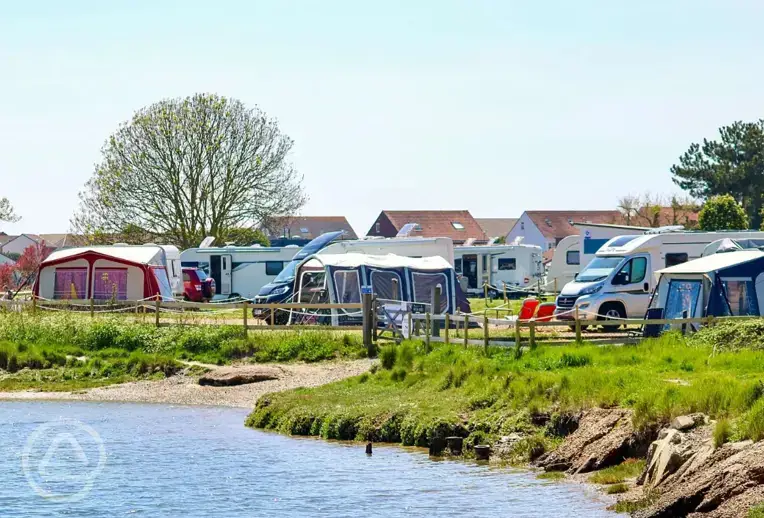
90,459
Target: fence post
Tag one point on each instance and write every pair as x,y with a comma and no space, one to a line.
485,332
396,291
485,293
367,323
578,327
92,311
244,311
158,304
555,285
427,331
517,333
373,316
532,333
505,293
446,327
436,293
684,324
466,328
411,329
34,305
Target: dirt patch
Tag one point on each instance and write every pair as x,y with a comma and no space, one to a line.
233,376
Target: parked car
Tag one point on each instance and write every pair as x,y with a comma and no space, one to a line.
198,287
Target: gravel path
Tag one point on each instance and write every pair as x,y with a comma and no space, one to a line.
185,390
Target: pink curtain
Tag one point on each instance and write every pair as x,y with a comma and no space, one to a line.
71,283
109,282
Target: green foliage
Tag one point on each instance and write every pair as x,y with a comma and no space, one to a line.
722,432
551,475
751,425
243,236
632,506
617,489
733,165
756,511
722,213
630,468
387,357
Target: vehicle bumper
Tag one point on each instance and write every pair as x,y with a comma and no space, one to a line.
587,309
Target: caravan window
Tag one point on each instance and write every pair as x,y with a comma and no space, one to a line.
382,284
741,296
632,272
573,257
348,286
675,259
424,284
508,264
682,296
458,265
273,267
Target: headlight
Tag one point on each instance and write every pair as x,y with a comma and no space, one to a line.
280,291
591,290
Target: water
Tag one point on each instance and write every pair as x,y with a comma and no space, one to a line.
190,461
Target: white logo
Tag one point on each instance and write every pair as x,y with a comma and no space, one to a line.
62,459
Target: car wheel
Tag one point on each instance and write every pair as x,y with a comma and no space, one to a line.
610,312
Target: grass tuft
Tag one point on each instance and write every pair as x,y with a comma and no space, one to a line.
630,468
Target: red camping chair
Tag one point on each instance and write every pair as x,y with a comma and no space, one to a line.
528,309
545,311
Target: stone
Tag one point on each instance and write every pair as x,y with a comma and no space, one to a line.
232,376
683,422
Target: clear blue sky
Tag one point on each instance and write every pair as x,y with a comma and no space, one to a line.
494,106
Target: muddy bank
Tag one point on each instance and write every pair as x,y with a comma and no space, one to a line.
185,389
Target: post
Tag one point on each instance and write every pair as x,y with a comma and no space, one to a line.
373,316
446,327
466,328
436,293
485,293
34,305
532,332
244,311
427,330
396,291
92,311
684,324
578,327
485,332
517,333
367,323
411,329
273,318
505,292
158,303
555,285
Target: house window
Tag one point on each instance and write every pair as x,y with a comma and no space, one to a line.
377,227
522,225
573,257
674,259
273,267
457,225
508,264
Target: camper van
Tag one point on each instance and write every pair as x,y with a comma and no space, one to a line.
515,265
239,271
281,288
618,282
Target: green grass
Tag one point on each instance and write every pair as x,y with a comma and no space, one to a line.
617,489
458,391
630,468
551,475
632,506
756,511
722,432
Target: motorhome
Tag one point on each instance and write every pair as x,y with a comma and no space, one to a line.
281,288
618,282
497,265
239,271
576,251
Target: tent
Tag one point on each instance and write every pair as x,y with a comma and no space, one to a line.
339,278
732,245
104,273
722,284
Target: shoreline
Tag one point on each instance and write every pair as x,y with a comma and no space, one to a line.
182,389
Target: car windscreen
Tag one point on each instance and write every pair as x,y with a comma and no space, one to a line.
599,268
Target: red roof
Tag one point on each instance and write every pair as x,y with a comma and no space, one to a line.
557,224
459,225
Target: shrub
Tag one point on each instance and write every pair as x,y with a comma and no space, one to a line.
387,357
405,356
398,374
629,468
722,432
574,360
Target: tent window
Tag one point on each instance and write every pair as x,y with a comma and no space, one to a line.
165,290
682,296
508,264
71,283
741,296
348,286
573,257
312,287
273,267
424,284
110,283
675,259
382,284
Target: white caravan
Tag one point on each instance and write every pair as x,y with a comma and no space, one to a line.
239,271
513,265
618,282
171,260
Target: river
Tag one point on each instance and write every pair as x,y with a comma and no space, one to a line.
114,459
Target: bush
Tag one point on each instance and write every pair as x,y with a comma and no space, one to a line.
398,374
387,357
617,489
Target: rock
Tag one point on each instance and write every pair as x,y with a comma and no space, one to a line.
683,422
666,456
232,376
511,438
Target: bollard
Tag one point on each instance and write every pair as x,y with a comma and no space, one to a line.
367,323
466,328
482,452
505,293
436,294
517,333
578,327
532,333
368,448
159,301
455,445
437,445
446,327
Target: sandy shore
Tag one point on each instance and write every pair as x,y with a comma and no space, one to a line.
185,390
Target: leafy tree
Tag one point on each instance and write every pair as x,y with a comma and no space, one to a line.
23,272
6,211
722,213
242,236
732,165
183,169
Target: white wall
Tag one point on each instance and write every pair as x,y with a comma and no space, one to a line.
531,235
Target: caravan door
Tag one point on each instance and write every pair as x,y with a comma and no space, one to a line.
225,274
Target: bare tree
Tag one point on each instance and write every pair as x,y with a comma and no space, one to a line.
656,210
182,169
6,211
628,207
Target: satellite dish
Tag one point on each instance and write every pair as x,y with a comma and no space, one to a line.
207,242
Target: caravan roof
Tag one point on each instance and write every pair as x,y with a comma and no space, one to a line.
714,262
354,260
137,254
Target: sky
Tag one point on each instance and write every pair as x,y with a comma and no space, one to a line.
492,106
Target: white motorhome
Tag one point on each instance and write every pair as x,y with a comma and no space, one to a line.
239,271
513,265
618,282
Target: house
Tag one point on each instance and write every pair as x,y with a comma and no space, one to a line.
546,228
15,245
496,227
306,227
5,260
56,241
459,225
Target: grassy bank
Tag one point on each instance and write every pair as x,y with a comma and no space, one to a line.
415,396
70,352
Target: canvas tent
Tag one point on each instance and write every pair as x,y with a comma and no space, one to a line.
339,278
722,284
104,273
